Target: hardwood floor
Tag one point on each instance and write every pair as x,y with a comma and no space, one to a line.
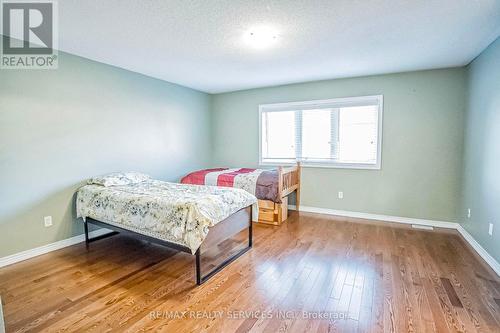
366,277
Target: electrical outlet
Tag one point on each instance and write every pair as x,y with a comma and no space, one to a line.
468,213
490,230
341,195
47,221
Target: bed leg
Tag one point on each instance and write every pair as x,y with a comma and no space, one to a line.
198,267
89,240
250,232
86,227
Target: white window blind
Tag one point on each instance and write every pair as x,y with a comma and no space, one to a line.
337,133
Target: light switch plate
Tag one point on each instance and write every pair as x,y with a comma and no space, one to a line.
47,221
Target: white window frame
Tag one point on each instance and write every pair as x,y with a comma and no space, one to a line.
326,103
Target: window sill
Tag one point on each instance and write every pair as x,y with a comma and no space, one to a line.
325,166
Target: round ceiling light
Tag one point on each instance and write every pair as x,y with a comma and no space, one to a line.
261,37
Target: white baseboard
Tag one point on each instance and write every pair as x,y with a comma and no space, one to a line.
386,218
495,265
17,257
2,323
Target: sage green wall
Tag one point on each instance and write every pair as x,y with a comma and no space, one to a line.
59,127
481,191
422,142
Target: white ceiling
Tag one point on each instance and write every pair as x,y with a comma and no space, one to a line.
200,44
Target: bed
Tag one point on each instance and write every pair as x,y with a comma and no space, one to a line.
184,217
271,187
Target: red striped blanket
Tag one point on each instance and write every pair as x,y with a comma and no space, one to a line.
261,183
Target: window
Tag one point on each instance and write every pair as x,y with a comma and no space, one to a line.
343,132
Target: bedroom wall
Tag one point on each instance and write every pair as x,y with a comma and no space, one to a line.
422,142
481,190
59,127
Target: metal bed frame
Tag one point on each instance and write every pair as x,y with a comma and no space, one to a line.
200,279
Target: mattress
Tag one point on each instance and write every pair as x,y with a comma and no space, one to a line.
176,213
259,182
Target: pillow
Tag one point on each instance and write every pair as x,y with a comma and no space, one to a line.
119,178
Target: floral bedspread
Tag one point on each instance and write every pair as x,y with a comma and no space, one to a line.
177,213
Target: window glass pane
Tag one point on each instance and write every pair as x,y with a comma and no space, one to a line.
358,128
316,134
278,135
338,132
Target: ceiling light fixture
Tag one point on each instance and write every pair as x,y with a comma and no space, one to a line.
261,37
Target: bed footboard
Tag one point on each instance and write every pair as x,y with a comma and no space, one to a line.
289,181
235,223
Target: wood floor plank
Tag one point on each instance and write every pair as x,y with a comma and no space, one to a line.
452,294
315,273
497,300
460,272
